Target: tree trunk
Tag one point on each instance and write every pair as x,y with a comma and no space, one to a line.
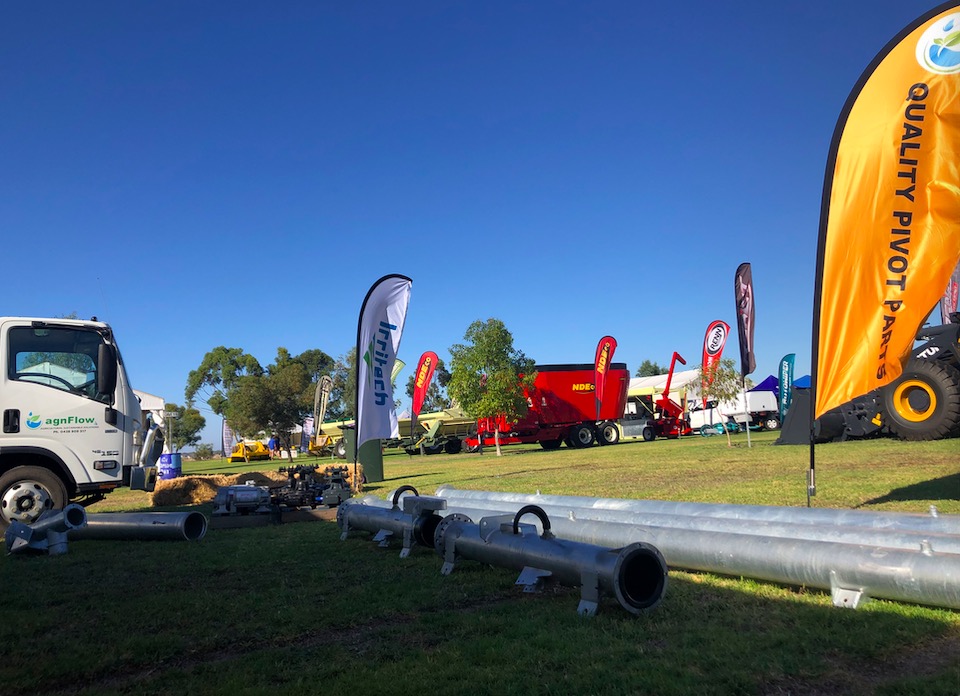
496,440
723,419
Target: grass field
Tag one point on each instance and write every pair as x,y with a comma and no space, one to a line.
292,608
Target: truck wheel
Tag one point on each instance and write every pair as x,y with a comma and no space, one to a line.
453,446
28,491
582,435
771,423
608,433
340,449
648,434
923,403
551,444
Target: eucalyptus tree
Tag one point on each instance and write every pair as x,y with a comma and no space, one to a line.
488,376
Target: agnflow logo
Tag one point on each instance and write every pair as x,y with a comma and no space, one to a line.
939,47
34,422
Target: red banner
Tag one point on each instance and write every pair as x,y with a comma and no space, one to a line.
605,349
425,368
713,343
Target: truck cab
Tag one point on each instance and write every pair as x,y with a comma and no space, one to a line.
72,428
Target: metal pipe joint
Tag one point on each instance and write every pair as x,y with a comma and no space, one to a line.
48,534
412,518
636,574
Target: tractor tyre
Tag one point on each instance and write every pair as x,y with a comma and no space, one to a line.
608,433
648,434
453,446
582,435
26,492
340,449
551,444
923,403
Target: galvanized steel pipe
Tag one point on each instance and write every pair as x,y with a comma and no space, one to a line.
635,574
907,540
944,524
412,519
144,526
851,572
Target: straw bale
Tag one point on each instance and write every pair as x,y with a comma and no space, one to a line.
195,490
199,489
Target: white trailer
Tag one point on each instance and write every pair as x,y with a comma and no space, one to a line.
760,409
72,428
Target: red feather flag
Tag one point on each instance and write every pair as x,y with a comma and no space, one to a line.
713,343
424,374
605,349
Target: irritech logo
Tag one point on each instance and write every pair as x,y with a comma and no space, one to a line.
938,49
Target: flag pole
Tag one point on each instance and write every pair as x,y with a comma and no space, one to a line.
743,390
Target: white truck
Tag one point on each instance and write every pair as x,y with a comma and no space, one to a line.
72,426
761,410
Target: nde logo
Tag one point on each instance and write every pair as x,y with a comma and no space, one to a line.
939,47
34,422
583,387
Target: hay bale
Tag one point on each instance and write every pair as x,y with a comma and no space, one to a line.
200,489
196,490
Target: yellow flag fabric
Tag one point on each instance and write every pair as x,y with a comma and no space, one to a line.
890,223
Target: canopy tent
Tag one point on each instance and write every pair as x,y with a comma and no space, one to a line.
649,386
771,383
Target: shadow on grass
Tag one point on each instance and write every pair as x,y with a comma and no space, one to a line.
943,488
376,486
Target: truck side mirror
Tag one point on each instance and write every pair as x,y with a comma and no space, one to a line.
107,370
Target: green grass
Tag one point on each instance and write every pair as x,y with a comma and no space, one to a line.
292,608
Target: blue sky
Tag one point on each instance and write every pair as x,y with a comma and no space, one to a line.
239,174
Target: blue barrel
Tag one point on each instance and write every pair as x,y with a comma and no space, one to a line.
170,465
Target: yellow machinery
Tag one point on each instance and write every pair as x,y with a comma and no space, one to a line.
249,452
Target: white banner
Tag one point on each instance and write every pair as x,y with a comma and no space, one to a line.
378,339
227,438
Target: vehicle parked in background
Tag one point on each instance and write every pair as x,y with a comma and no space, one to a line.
73,429
562,408
760,410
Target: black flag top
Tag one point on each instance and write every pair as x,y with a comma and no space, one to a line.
746,313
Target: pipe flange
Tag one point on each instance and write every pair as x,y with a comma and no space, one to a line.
441,532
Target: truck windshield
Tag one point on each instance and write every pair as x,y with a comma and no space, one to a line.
64,358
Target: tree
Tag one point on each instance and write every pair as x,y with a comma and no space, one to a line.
254,399
650,369
184,424
489,376
218,374
435,399
342,401
203,451
725,384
